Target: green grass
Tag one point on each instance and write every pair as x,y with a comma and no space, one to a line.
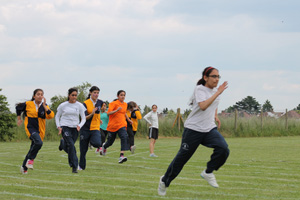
257,168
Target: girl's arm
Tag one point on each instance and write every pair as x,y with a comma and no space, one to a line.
82,115
217,119
114,111
147,118
127,118
205,104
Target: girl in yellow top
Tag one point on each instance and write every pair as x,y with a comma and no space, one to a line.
90,132
134,114
117,124
36,111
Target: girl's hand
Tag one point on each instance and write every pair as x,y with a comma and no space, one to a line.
101,122
78,128
130,121
44,104
20,121
223,87
59,130
218,122
95,109
119,108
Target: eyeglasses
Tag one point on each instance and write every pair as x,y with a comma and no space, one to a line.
215,76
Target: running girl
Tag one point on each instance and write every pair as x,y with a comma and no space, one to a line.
200,128
35,112
152,119
134,114
67,122
103,126
90,132
117,124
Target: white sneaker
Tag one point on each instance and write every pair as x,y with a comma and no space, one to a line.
103,150
162,189
153,155
29,164
132,149
79,168
122,159
210,178
23,171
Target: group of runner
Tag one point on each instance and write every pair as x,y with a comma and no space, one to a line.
121,119
90,119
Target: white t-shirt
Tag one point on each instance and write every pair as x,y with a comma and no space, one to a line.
68,114
152,119
199,120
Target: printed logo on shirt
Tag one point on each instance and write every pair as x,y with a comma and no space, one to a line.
66,134
185,146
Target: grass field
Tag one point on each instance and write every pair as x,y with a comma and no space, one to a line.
257,168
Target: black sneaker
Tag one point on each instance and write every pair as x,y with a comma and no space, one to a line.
60,147
74,170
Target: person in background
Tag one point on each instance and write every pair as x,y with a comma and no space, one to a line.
103,126
200,128
90,132
35,111
134,114
152,119
67,122
117,125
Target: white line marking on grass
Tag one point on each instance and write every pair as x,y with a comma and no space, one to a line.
33,195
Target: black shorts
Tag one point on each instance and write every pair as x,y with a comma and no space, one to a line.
153,133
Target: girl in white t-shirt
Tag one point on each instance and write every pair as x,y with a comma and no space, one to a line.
200,128
152,119
68,124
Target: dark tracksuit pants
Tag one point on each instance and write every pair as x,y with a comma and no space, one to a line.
130,135
86,137
36,145
122,133
104,134
190,141
70,136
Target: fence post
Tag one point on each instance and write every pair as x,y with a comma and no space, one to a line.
286,119
261,119
235,120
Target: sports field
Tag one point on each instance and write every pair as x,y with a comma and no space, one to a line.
257,168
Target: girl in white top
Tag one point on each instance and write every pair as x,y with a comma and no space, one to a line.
152,119
67,122
200,128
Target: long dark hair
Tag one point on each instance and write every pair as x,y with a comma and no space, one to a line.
118,93
93,88
206,72
70,91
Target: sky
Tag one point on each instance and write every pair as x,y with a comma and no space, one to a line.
155,50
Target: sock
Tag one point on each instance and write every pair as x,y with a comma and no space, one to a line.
121,154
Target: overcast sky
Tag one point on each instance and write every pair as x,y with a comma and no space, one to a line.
155,50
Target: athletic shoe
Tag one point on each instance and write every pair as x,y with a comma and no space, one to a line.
79,168
162,189
60,147
29,164
74,170
23,171
153,155
132,149
103,150
210,178
97,150
122,159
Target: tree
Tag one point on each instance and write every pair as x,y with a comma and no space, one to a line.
230,109
165,111
7,120
146,110
267,107
83,91
249,105
297,108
